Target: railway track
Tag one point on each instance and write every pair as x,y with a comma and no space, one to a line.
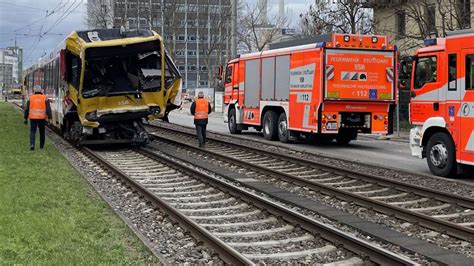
283,234
435,210
241,227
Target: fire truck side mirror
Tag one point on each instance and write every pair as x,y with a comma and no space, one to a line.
219,74
404,70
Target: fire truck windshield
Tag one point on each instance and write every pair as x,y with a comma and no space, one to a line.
425,71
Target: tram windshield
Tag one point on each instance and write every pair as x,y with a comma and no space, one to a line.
118,70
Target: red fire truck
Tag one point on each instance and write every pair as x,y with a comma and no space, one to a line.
442,104
335,88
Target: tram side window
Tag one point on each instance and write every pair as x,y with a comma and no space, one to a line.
425,71
470,72
74,70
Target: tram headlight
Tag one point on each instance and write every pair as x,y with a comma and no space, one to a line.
155,110
91,116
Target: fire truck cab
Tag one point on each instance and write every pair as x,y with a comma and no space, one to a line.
442,104
337,88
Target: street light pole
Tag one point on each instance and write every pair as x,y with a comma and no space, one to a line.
234,29
197,45
186,44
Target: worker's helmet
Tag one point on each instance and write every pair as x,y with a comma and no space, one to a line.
37,89
200,94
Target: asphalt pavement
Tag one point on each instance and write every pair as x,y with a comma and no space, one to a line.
368,149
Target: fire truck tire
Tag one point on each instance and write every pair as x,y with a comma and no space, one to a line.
233,129
440,155
283,132
270,125
344,137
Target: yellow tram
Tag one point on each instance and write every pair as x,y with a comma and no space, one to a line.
103,83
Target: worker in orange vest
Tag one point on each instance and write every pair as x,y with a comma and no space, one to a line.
201,108
37,110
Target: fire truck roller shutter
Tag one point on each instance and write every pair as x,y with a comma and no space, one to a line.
252,83
282,80
268,79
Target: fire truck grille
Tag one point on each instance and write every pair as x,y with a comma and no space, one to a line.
354,120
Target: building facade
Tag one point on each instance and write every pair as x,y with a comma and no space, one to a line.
408,23
196,32
13,56
6,79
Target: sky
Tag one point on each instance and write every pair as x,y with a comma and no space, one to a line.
40,25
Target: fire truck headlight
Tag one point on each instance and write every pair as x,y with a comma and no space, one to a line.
375,39
380,117
347,38
324,116
385,117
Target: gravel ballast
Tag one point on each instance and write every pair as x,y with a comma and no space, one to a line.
166,238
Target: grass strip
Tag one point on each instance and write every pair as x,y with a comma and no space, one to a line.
49,214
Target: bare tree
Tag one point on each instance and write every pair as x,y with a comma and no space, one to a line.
213,46
343,16
455,14
425,19
99,14
172,24
256,30
314,22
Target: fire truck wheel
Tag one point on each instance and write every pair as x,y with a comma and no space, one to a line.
270,125
344,137
233,123
283,132
440,155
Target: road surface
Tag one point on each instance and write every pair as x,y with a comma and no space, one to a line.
394,154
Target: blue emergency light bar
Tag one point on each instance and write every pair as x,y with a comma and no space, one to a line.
320,44
430,42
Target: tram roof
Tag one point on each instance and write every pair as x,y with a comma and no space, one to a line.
111,34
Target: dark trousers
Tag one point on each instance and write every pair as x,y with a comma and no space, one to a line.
201,133
37,123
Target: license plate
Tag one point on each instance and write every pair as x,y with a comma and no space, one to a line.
332,126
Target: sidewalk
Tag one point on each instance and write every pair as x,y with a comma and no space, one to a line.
187,112
403,136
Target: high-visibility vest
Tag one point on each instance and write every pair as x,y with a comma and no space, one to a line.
37,107
202,109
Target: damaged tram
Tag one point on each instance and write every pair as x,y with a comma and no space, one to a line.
102,84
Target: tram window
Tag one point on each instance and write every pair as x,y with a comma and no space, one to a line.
228,75
425,71
470,72
75,71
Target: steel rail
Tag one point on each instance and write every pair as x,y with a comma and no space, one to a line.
452,229
358,246
227,253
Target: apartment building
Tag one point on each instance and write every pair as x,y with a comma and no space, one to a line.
196,32
408,23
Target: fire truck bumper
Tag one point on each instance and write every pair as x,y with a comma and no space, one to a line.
226,113
415,142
